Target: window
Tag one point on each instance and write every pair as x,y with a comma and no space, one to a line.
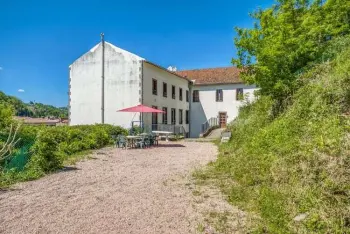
239,94
154,87
154,117
219,95
165,115
180,94
173,116
187,96
187,117
180,116
173,91
165,89
195,95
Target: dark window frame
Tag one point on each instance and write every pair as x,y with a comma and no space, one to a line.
173,92
181,116
154,87
195,96
165,115
187,96
155,116
187,117
173,116
180,94
239,94
219,95
165,89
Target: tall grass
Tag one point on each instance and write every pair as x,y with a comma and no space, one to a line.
295,163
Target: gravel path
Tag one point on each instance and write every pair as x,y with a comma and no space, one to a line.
118,191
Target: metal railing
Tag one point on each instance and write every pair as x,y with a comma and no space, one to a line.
212,122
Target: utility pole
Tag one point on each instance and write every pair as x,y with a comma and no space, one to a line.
103,80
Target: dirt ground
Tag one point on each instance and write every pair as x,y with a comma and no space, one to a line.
117,191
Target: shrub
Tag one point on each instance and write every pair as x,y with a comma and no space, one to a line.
53,145
50,146
295,163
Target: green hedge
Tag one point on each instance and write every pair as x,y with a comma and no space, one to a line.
48,147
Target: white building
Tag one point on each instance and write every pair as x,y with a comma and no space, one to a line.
129,80
189,98
217,94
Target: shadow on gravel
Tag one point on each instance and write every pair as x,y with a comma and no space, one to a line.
170,146
5,190
67,169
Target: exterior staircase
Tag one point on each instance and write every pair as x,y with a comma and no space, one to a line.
208,126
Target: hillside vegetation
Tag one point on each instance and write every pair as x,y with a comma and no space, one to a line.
31,109
288,161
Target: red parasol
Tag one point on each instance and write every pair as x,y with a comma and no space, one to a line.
142,109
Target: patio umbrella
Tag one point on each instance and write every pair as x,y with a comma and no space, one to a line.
141,109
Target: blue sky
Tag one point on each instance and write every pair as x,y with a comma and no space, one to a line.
40,39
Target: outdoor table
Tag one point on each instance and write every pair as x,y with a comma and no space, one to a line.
132,138
163,132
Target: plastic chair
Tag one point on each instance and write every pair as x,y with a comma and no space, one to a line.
154,139
143,142
121,141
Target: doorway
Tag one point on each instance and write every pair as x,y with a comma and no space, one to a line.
222,119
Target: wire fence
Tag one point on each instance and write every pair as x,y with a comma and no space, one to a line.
18,159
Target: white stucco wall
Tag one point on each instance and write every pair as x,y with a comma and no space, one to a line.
122,86
152,72
208,107
85,88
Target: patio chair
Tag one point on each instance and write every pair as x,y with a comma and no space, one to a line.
154,139
143,142
121,142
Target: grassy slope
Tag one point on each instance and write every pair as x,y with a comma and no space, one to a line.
297,163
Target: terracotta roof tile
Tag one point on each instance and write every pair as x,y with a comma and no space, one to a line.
222,75
29,120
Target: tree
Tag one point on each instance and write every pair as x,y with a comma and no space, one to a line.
33,109
287,37
6,115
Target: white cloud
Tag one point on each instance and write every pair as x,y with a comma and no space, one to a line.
171,68
21,90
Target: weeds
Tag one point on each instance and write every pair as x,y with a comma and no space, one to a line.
297,162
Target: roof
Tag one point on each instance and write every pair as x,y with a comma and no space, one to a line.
171,72
29,120
222,75
128,55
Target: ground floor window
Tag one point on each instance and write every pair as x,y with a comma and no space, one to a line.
187,117
173,116
165,115
154,119
180,116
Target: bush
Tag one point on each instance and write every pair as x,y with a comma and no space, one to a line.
56,144
6,113
295,163
49,147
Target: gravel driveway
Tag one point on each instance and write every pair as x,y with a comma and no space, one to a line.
118,191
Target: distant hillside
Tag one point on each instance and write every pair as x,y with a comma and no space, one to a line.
32,109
